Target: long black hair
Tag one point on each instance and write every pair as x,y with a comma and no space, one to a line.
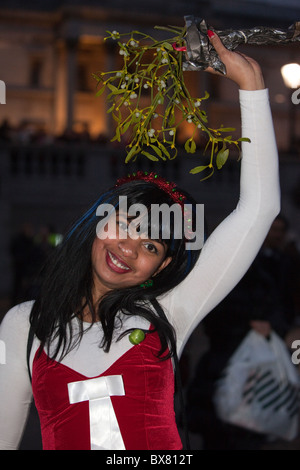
67,284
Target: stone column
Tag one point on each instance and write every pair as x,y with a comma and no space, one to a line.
71,80
65,84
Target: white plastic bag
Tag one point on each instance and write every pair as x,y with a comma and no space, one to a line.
260,388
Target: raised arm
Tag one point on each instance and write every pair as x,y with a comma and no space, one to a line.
231,248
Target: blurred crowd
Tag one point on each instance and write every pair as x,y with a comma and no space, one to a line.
27,133
29,250
267,298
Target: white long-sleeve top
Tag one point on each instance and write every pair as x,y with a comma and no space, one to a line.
225,257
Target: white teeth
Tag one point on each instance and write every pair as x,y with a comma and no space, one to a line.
116,262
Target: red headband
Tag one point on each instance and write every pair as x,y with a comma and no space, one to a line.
167,186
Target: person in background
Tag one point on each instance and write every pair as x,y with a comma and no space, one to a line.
263,300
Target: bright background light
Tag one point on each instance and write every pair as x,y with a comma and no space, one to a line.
291,75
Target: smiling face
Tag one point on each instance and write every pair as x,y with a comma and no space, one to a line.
119,260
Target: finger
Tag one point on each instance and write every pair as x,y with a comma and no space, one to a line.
211,70
216,41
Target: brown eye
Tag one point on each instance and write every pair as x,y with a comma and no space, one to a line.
151,247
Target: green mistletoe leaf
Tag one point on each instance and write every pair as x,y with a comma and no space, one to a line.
221,158
148,155
198,169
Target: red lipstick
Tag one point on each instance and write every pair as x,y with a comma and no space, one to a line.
116,264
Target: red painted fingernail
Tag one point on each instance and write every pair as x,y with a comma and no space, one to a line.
210,33
177,48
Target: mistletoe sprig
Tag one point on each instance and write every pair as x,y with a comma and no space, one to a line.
156,67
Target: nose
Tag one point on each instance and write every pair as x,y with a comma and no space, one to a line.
128,248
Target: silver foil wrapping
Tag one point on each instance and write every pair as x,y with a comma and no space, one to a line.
200,54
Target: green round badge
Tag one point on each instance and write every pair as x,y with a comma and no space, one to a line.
137,336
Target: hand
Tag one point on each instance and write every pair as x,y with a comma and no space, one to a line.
243,70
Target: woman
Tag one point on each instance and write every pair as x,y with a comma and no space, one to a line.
92,387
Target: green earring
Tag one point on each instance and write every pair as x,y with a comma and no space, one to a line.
137,336
146,284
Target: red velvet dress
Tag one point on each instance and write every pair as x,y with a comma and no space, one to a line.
143,412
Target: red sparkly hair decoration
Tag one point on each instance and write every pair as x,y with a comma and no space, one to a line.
167,186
